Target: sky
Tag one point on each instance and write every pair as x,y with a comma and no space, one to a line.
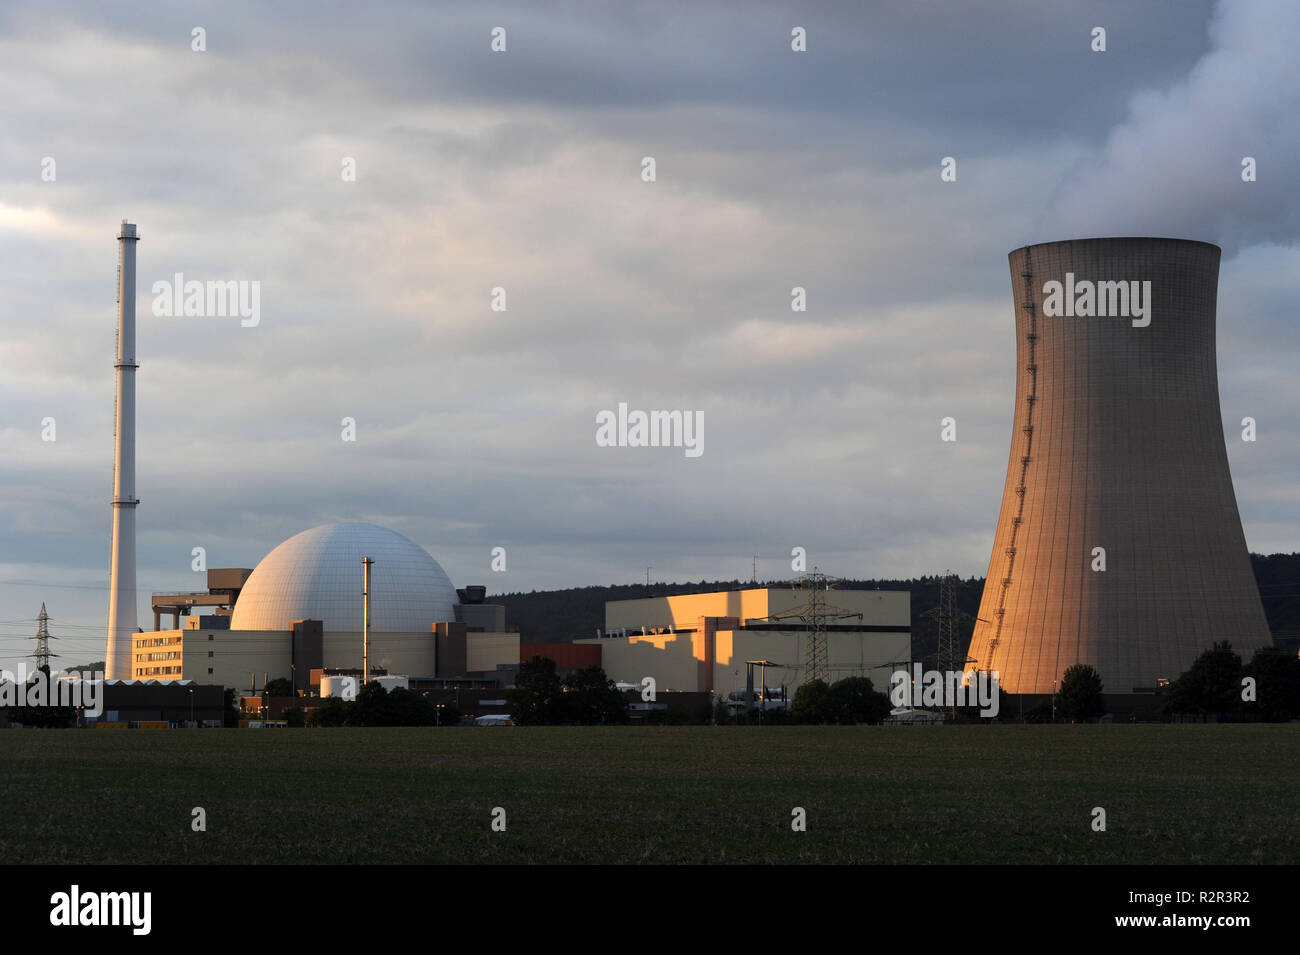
523,169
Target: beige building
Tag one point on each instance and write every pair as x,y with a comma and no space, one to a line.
240,658
484,652
227,657
701,642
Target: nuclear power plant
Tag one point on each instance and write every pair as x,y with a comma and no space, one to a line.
1119,543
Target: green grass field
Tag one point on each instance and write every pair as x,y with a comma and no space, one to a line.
954,794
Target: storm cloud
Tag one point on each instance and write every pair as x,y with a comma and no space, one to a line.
521,170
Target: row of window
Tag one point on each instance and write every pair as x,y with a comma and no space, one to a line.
157,641
174,655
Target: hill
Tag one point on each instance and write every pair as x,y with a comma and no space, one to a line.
561,616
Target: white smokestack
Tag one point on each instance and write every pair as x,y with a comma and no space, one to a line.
121,583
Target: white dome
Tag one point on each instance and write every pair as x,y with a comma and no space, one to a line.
317,575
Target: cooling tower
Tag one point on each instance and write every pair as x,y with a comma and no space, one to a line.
121,576
1117,443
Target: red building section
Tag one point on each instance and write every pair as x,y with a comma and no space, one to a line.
567,656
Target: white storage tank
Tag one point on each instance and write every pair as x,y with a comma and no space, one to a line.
344,687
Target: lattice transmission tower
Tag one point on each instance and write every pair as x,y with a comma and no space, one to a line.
950,653
814,613
43,639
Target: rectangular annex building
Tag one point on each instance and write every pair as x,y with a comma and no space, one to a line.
701,642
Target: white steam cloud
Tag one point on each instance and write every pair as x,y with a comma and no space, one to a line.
1174,166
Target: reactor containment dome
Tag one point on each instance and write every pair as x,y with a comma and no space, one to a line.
317,575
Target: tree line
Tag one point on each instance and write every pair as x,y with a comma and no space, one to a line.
377,706
559,616
1216,686
1219,686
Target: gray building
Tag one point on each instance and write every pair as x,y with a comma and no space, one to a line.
1119,543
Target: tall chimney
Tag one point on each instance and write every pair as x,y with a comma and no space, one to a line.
122,625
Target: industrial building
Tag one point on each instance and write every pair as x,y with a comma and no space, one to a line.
224,586
703,642
1119,544
697,643
689,644
300,610
123,703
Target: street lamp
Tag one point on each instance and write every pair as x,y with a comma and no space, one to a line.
191,704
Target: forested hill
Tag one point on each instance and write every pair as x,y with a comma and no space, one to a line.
1278,576
559,616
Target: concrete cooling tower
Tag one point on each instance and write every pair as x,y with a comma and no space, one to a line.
1119,544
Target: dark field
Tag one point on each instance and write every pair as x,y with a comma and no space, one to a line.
954,794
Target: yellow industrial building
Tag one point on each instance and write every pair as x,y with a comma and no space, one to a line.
701,642
231,657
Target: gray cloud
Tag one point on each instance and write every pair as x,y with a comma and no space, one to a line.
1174,165
476,429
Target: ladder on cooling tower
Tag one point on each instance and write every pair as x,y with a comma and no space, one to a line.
1031,399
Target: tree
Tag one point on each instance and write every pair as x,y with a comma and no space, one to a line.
280,686
1277,685
1211,686
331,712
812,703
592,698
1005,711
88,669
230,714
1079,697
406,708
375,706
855,700
370,708
48,715
538,696
775,716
